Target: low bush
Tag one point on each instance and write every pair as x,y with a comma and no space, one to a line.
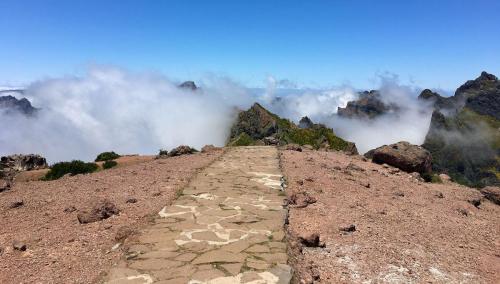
73,168
107,156
109,164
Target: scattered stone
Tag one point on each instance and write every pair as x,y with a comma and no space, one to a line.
301,200
365,184
354,167
209,148
270,140
492,193
123,233
293,147
4,185
131,200
98,211
16,204
70,209
445,177
300,182
349,229
20,246
439,195
476,202
463,211
311,240
405,156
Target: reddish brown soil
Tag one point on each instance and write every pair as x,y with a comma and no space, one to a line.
406,231
59,249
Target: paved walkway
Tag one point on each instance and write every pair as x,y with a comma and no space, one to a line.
226,227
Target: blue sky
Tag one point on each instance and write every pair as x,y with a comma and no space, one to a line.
436,44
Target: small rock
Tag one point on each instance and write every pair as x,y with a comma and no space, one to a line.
301,200
311,240
492,193
445,177
18,245
476,202
209,148
349,229
123,233
300,182
131,200
97,211
4,185
309,179
70,209
463,211
16,204
354,167
293,147
107,226
439,195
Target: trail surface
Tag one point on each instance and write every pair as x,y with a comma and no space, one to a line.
226,227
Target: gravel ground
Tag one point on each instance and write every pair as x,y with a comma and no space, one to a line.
59,248
352,221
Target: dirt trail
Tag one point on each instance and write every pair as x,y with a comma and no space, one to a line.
226,227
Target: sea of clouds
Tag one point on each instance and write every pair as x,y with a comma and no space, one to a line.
110,108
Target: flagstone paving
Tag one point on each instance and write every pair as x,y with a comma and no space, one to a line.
226,227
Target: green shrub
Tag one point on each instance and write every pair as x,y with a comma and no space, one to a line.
431,177
73,168
242,140
107,156
109,164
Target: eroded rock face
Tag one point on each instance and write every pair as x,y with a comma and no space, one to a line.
305,122
24,162
463,136
405,156
97,211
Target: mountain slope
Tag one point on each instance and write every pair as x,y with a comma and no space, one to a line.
258,126
464,134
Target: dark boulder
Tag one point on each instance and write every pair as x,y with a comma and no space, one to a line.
405,156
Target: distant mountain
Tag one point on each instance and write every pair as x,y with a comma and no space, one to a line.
258,126
464,133
368,106
190,85
9,103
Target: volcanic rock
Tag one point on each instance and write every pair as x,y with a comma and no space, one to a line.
97,211
405,156
18,245
24,162
209,148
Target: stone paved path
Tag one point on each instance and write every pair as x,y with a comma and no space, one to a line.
226,227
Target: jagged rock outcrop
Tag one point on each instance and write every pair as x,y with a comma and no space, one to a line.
258,126
464,136
10,104
24,162
190,85
368,106
305,122
403,155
